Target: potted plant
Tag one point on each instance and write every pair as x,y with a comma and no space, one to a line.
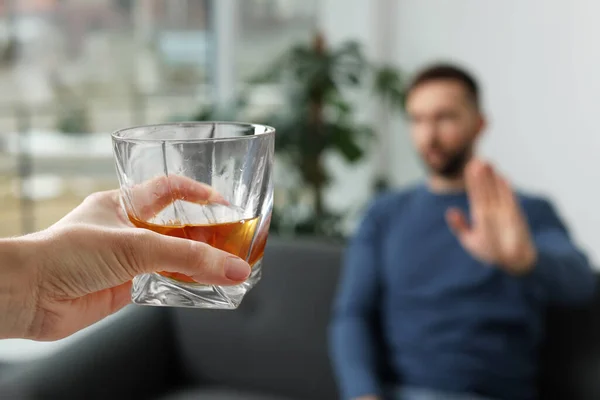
318,118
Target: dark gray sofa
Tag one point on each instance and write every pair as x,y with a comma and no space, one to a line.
274,347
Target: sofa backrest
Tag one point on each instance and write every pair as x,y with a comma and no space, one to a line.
276,342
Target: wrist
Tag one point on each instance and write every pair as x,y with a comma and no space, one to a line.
526,262
18,291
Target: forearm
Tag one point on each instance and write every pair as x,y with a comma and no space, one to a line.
563,277
561,273
354,356
353,338
17,287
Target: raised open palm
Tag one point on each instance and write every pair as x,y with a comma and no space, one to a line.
498,233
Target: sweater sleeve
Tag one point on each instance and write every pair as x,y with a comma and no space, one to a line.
562,275
352,338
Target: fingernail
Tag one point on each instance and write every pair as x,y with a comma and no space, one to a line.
236,269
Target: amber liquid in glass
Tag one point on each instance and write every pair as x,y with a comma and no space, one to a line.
233,237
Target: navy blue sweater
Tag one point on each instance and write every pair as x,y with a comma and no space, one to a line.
447,321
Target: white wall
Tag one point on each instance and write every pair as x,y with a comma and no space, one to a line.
539,65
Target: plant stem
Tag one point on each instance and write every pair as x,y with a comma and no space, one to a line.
316,131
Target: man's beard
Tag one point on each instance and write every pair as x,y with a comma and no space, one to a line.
454,165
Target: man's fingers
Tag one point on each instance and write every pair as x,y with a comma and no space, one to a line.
457,222
506,195
487,183
482,186
474,190
201,262
495,188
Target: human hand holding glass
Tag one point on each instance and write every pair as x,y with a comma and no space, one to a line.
233,163
79,270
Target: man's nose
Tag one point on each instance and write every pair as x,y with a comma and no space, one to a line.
429,133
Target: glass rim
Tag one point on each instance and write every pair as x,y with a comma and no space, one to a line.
118,135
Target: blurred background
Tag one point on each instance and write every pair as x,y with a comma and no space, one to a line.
73,71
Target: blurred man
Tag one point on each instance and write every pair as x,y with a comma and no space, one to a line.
447,281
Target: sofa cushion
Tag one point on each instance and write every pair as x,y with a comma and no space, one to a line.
276,342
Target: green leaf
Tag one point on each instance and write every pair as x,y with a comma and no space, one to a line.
344,140
388,85
207,113
271,72
336,105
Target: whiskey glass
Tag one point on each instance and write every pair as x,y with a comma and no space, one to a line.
204,181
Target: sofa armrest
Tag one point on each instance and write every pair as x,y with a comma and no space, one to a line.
570,355
131,357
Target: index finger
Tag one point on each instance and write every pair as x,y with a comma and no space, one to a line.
475,191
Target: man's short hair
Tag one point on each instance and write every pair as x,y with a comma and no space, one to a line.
447,72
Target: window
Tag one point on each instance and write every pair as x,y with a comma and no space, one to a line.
269,27
71,72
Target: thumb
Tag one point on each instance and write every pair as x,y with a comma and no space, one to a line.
457,222
200,261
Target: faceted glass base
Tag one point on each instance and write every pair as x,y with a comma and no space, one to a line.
158,290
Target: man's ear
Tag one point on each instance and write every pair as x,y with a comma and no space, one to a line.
481,124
